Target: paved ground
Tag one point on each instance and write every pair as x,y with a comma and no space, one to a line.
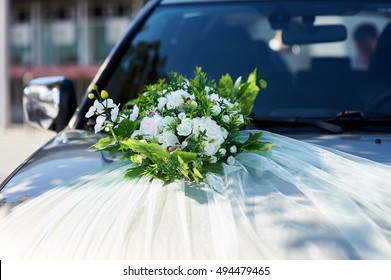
17,143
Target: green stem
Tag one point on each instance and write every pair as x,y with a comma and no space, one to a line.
115,136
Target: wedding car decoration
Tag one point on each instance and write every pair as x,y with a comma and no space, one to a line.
179,128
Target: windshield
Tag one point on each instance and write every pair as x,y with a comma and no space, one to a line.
319,60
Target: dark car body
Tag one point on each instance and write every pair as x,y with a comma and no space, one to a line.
347,127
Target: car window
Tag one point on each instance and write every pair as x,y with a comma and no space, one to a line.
307,79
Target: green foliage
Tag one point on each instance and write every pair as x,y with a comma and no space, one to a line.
179,128
153,151
248,92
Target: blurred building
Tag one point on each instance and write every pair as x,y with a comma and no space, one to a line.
62,37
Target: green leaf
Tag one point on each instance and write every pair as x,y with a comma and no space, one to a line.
197,173
226,85
103,143
153,151
255,136
134,172
184,156
252,143
112,149
263,83
125,128
266,146
248,92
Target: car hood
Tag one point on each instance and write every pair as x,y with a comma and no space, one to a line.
68,156
63,158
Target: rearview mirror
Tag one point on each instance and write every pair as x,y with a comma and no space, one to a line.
310,34
49,102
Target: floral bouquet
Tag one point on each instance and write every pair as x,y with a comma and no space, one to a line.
179,128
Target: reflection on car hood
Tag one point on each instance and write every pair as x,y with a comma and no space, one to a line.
376,147
67,156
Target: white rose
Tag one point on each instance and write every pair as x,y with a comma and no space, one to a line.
209,149
176,99
185,128
167,121
214,97
216,110
226,118
233,149
171,105
231,160
213,132
213,159
224,132
240,120
181,116
150,125
162,101
196,126
228,104
222,152
167,139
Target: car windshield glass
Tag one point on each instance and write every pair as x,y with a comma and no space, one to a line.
319,59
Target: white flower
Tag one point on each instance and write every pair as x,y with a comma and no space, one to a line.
114,113
185,128
230,160
214,97
100,122
162,102
216,110
207,89
226,118
109,103
228,104
176,99
150,125
184,144
224,132
212,130
240,120
182,115
233,149
209,149
95,108
167,139
166,122
134,115
213,159
222,151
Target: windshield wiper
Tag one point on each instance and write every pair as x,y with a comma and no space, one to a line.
353,116
329,127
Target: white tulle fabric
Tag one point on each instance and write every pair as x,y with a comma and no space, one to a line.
299,201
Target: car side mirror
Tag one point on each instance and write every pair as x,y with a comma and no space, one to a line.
49,102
